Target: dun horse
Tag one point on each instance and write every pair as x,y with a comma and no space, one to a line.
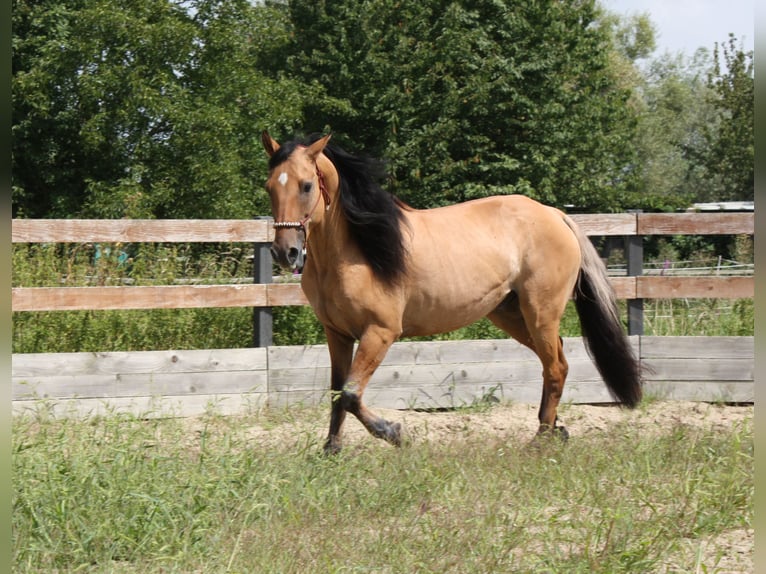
376,270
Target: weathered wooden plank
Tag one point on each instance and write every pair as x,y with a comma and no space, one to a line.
154,297
624,287
697,348
283,294
407,352
449,376
145,407
439,374
63,386
435,397
139,384
261,230
440,352
695,223
430,352
460,352
141,230
695,287
305,356
445,377
684,369
440,398
606,223
205,360
406,398
298,380
144,297
705,391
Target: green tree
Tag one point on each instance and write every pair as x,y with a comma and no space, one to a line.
675,114
144,108
729,160
471,98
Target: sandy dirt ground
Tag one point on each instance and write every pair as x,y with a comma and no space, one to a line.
518,421
730,552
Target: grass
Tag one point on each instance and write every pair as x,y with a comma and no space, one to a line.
120,494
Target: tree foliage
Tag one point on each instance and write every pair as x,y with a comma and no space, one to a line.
143,108
153,108
472,98
675,114
729,157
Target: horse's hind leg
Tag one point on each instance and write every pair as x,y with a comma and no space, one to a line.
543,324
507,316
555,370
515,318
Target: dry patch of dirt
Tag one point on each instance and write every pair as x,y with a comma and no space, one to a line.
728,553
514,421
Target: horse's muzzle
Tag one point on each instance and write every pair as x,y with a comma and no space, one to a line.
288,250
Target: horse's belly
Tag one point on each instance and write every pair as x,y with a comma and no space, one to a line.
445,308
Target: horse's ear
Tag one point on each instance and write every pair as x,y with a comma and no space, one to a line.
269,143
316,148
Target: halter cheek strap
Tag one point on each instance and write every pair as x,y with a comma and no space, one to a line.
323,195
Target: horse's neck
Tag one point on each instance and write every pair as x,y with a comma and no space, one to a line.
329,239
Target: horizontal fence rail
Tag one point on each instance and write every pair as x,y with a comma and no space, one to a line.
263,294
425,375
413,375
279,294
261,231
141,230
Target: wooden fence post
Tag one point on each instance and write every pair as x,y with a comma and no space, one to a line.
634,253
262,272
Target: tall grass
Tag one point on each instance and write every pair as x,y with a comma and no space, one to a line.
49,265
156,264
125,495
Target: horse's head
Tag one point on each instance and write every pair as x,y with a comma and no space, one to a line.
298,196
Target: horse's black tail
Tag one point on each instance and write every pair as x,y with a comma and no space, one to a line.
605,340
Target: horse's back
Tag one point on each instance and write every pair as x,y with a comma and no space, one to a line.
500,223
466,258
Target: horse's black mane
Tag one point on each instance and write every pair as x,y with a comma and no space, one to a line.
375,217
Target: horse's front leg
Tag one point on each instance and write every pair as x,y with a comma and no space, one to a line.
373,346
341,351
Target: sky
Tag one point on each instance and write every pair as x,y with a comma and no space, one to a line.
685,25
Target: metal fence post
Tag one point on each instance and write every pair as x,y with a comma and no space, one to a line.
262,273
634,252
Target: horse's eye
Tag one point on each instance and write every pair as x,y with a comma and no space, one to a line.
307,186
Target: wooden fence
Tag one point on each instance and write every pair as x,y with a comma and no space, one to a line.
414,375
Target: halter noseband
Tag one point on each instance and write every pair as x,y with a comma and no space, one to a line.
323,195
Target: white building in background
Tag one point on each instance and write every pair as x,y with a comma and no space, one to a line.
723,206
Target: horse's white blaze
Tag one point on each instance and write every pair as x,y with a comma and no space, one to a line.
282,178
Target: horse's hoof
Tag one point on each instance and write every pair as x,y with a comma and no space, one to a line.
388,431
331,447
546,433
395,434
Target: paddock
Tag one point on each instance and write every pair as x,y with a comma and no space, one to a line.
414,375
